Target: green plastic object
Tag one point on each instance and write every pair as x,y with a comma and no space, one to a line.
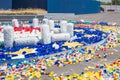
118,36
1,44
72,21
88,22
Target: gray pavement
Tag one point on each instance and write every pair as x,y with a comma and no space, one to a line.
105,16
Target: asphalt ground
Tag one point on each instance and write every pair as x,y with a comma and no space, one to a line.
104,16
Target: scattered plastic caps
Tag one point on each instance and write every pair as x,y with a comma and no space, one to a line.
107,72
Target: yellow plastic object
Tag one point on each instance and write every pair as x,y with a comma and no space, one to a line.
65,62
38,75
75,75
69,77
108,28
28,74
56,78
103,60
9,77
33,74
79,78
90,67
51,74
28,51
81,31
72,44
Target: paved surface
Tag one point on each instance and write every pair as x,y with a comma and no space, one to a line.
7,18
105,16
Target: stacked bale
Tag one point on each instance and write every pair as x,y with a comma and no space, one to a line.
8,36
46,36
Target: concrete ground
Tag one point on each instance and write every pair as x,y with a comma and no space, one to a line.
105,16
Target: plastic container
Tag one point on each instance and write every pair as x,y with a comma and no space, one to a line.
46,36
61,37
26,41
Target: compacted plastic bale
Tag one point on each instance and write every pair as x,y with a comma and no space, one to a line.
60,37
70,29
46,36
35,22
51,24
56,30
26,41
45,20
63,26
8,36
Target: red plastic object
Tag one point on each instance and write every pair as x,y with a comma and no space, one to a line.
110,10
0,29
26,29
103,49
83,26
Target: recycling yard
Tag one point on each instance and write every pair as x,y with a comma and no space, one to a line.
91,54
